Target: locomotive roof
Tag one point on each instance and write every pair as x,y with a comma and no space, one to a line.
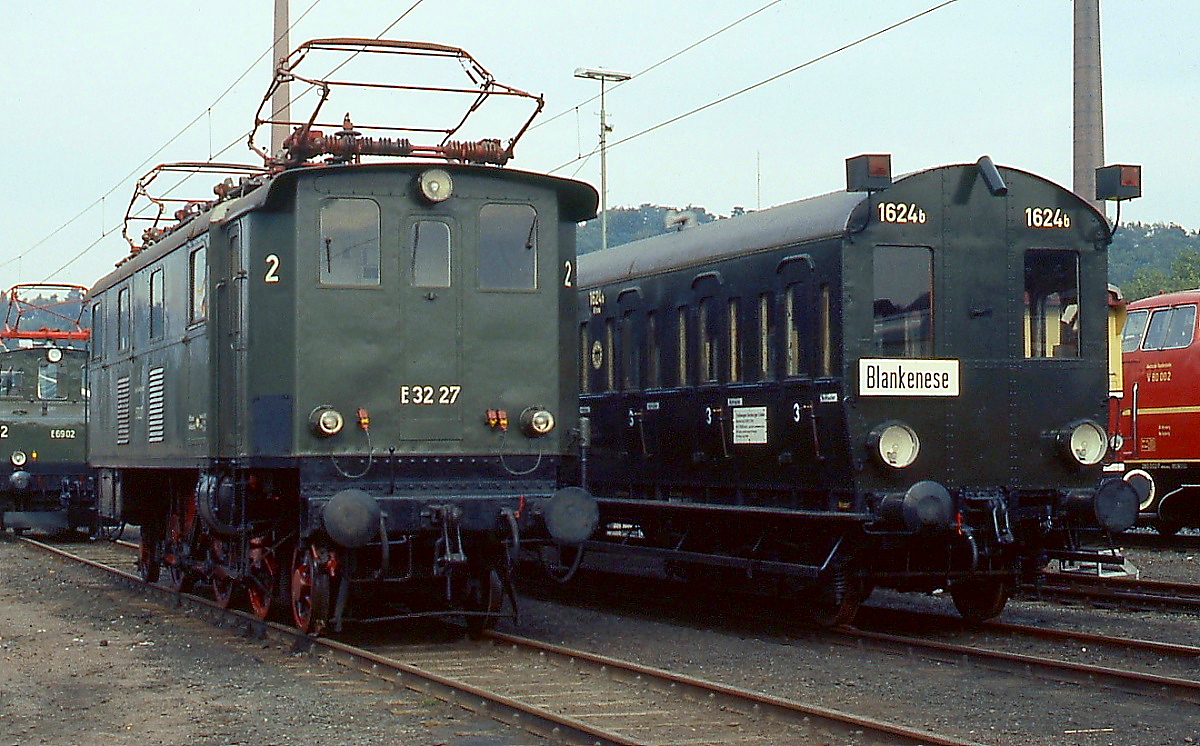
810,219
1166,299
578,202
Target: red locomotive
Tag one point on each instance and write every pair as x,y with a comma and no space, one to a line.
1159,415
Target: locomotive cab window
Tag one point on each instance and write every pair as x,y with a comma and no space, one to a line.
431,254
198,284
1135,327
97,336
903,301
507,247
12,380
1171,328
47,386
157,315
124,319
349,243
1051,304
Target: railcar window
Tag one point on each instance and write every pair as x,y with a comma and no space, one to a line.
825,330
709,339
156,304
766,332
124,321
653,352
198,284
12,381
903,301
1051,304
1171,328
431,254
793,313
630,357
48,380
507,247
681,347
1131,333
97,337
735,346
349,250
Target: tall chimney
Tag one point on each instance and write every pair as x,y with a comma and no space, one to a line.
1088,100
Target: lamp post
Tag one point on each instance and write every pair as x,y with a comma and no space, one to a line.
604,76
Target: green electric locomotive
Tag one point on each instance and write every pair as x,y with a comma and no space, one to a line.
347,386
45,483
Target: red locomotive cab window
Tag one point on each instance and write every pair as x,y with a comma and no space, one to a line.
1171,328
1135,327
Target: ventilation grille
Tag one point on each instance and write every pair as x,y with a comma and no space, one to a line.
123,411
155,405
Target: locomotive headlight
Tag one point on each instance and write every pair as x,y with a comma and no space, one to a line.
19,458
435,185
326,421
1085,442
536,422
895,444
53,354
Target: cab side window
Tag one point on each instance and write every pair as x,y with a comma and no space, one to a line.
508,247
348,253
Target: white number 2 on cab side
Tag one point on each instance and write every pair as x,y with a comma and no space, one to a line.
272,268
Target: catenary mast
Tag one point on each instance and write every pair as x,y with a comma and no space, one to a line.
1088,101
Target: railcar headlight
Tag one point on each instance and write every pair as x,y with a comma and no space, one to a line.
435,185
1085,442
536,422
19,458
895,444
326,421
53,354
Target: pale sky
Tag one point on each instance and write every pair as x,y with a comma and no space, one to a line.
92,91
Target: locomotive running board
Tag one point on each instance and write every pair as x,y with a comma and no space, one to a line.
749,565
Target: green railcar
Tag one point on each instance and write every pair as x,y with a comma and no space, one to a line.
901,384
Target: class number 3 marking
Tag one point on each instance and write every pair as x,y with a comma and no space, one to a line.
272,274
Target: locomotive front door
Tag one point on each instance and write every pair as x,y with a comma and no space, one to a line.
430,348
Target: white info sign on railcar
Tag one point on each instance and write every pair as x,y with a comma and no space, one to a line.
907,377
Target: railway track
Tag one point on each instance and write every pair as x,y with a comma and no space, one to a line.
988,652
568,695
1152,595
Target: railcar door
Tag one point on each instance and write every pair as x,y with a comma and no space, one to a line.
430,361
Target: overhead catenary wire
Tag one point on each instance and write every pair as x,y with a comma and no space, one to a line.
212,156
761,83
137,170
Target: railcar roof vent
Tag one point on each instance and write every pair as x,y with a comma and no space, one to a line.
868,173
991,176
